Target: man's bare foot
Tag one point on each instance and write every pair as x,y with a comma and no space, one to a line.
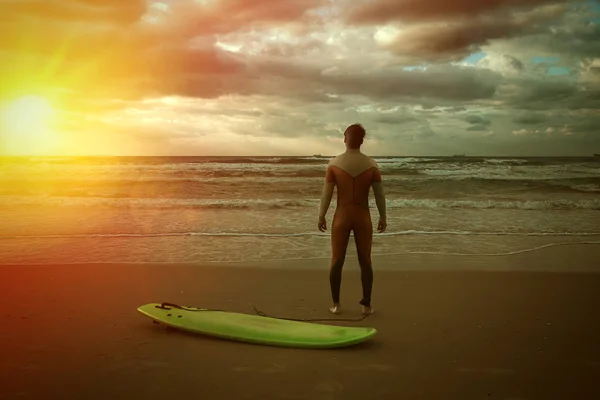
335,309
367,310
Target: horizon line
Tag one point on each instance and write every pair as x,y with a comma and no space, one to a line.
293,156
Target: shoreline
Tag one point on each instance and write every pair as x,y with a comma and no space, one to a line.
562,257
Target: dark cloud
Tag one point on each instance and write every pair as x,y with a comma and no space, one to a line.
571,39
455,83
308,82
542,94
477,119
529,118
587,125
513,62
449,42
443,31
478,128
477,123
383,11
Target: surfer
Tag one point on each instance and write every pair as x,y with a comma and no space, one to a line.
353,173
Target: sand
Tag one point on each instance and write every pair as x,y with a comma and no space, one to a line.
527,327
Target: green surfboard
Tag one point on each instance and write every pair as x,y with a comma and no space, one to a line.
255,328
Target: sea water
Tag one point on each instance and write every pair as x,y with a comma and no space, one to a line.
242,209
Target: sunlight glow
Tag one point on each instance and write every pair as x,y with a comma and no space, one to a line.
25,125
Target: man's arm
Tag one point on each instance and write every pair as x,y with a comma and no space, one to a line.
380,199
326,196
379,194
327,192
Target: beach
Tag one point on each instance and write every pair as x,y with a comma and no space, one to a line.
521,326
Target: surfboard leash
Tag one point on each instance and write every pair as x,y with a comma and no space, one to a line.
262,314
165,306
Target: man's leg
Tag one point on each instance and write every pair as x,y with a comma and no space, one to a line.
340,234
363,237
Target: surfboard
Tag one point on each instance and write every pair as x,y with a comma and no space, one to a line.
256,328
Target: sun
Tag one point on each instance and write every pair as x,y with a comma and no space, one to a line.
26,125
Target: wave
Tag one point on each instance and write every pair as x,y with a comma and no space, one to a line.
283,259
157,202
509,161
515,185
298,234
258,204
169,160
161,160
172,174
188,175
167,169
518,161
590,187
556,204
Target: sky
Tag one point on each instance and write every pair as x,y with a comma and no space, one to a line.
286,77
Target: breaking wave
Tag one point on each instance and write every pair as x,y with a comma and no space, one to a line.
551,204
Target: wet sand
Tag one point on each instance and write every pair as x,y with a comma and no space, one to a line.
523,326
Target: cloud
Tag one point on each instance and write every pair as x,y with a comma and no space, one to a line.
437,42
502,63
88,44
440,83
477,119
478,123
448,31
383,11
529,118
575,35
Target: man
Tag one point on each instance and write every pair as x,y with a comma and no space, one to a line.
353,173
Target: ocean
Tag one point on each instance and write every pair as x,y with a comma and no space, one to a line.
242,209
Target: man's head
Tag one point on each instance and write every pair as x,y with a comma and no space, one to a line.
354,136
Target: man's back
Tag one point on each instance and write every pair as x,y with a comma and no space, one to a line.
353,174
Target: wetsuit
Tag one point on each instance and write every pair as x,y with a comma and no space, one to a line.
353,173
